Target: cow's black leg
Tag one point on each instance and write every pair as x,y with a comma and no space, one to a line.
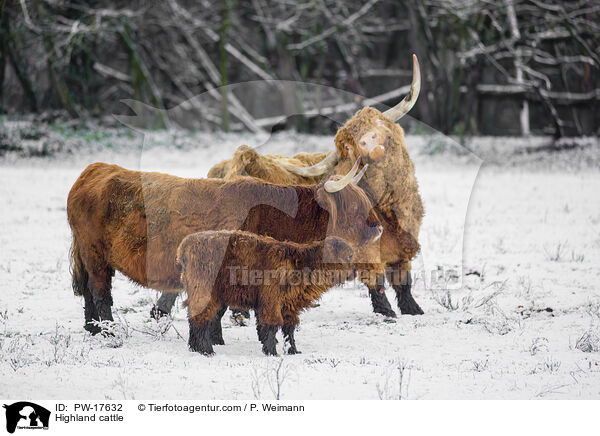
99,285
216,332
164,305
239,317
379,299
288,336
199,340
401,280
380,303
406,302
259,331
103,303
267,337
90,312
103,306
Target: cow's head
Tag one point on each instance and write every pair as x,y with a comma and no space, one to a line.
340,255
351,214
371,135
377,139
338,251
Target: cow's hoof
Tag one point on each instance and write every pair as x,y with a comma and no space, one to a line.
408,306
92,328
205,351
95,329
387,312
293,350
269,352
380,303
156,313
218,341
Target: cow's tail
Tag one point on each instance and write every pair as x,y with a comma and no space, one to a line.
79,274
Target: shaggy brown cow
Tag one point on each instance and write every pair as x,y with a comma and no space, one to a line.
275,284
133,222
389,182
268,167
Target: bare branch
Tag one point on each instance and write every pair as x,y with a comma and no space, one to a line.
324,35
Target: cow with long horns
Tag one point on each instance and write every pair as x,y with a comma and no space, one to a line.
389,182
133,222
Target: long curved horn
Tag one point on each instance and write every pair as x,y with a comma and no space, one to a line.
361,173
338,185
317,169
409,101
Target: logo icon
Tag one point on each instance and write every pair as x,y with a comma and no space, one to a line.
26,415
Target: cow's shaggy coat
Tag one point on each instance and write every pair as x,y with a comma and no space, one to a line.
133,222
281,280
268,167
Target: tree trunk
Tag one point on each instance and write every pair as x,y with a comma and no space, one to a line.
20,71
285,69
223,65
141,76
3,52
59,85
516,35
419,46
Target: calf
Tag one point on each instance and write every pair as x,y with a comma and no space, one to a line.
277,279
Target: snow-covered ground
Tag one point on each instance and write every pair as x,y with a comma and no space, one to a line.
514,330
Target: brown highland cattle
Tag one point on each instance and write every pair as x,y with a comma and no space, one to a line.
281,279
389,182
133,222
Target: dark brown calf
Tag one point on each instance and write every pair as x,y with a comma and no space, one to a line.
247,271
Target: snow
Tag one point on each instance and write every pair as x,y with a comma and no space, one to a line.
531,249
